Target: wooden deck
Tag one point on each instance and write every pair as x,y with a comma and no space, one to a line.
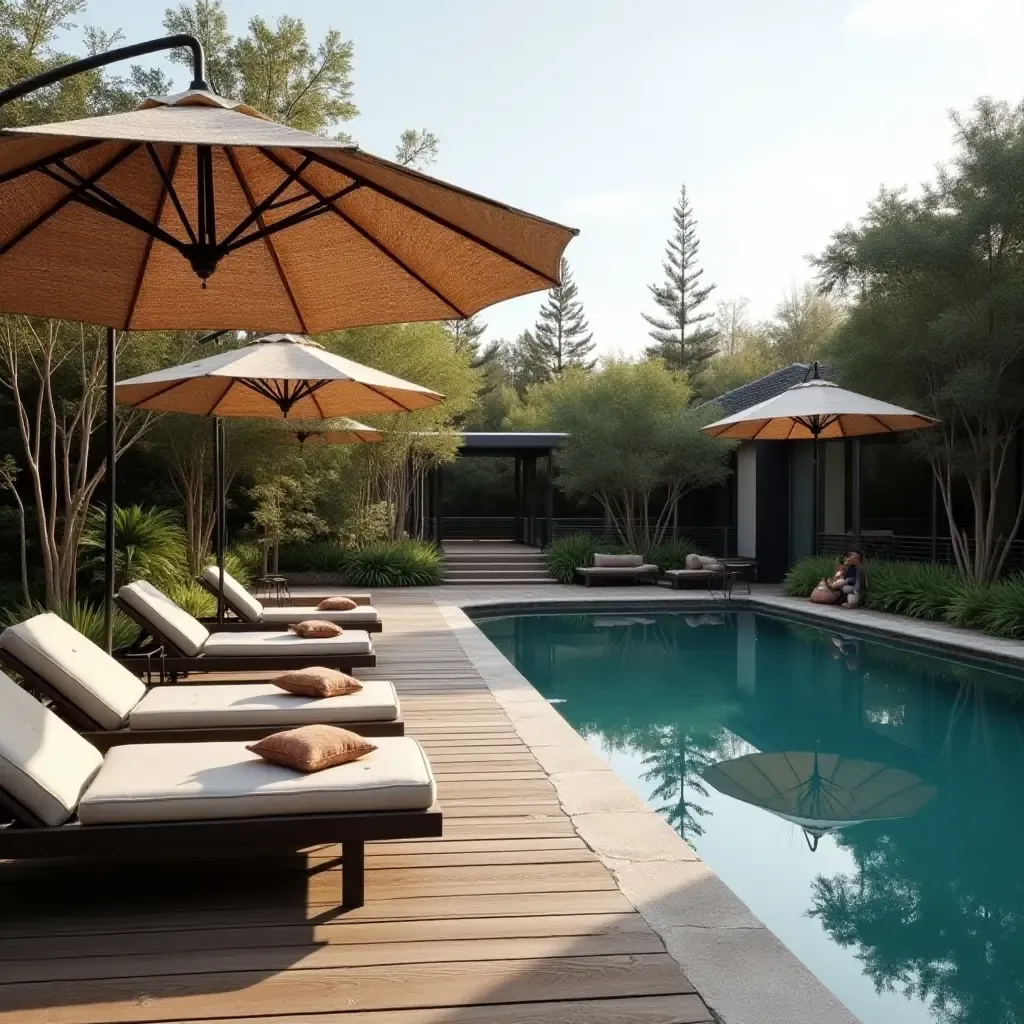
509,919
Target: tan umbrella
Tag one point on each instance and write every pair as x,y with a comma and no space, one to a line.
280,375
813,410
283,229
340,430
820,792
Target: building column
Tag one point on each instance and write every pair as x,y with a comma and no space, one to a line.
438,513
856,482
746,501
517,474
549,499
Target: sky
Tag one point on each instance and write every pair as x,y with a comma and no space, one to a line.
783,119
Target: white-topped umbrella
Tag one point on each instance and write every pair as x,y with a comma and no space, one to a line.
340,430
278,375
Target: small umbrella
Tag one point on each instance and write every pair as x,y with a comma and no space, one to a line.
271,378
280,375
820,792
812,410
340,430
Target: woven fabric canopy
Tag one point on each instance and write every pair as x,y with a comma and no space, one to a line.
102,218
279,375
820,792
340,430
817,409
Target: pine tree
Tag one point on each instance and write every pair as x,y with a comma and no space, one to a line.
683,337
561,337
466,335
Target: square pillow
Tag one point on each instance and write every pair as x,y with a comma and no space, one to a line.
318,682
336,604
312,748
316,629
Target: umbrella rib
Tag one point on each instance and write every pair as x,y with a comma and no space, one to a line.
168,179
157,394
40,164
360,230
377,391
168,190
223,395
63,201
243,185
292,220
410,205
257,210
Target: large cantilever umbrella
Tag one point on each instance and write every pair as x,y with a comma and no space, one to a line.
196,212
275,377
820,792
817,409
340,430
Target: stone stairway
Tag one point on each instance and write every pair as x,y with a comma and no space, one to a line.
471,563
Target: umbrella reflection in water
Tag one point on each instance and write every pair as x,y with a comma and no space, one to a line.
820,792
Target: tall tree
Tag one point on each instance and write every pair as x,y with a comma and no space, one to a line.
937,324
417,148
561,337
732,325
683,336
804,323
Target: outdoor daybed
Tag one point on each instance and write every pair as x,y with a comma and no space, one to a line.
622,569
104,701
154,800
188,646
254,616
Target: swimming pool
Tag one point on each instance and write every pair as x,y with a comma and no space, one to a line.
865,800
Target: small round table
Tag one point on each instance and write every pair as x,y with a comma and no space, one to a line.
275,587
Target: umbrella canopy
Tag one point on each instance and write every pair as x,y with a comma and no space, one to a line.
817,409
279,375
340,430
820,792
284,230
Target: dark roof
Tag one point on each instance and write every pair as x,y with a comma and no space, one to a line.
765,387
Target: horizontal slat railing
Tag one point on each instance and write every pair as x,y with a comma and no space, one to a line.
713,540
907,547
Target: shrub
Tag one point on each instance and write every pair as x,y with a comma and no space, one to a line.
567,554
967,604
149,544
87,618
672,554
917,589
193,598
369,525
803,577
394,563
1004,611
314,556
244,561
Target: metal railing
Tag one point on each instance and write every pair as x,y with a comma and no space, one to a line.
907,547
714,540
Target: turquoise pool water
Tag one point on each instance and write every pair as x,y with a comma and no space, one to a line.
916,913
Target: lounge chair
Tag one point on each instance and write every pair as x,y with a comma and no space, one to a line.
107,704
188,646
69,800
622,569
254,616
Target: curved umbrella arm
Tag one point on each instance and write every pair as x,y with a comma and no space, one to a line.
99,60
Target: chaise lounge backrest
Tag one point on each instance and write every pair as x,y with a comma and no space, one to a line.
72,665
171,623
45,766
237,598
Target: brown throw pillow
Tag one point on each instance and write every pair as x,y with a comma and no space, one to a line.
316,629
312,748
336,604
318,682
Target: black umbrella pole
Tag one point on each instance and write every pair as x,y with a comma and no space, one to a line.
814,497
109,560
218,527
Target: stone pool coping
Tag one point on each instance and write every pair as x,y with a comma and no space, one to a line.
739,966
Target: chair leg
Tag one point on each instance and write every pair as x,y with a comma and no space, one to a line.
352,864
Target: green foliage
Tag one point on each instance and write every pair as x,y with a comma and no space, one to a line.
561,337
803,577
683,337
87,618
244,561
672,553
938,593
567,554
149,544
396,563
314,556
195,599
369,523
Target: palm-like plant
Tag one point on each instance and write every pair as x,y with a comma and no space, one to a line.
149,544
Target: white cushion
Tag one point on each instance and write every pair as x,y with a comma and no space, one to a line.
44,764
618,570
283,644
86,676
171,623
237,598
618,561
149,782
354,617
239,704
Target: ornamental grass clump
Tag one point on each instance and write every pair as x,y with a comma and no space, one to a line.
394,563
567,554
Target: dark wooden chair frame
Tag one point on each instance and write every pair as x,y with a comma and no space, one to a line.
104,739
174,662
28,838
286,602
595,576
239,624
